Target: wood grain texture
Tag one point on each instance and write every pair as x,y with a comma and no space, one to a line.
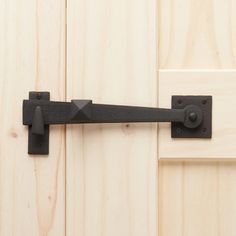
111,169
32,57
222,86
197,34
197,198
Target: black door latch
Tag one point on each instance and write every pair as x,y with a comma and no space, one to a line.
190,116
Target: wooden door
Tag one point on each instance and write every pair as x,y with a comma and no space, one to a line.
118,179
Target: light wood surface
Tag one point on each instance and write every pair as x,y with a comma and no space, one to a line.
32,53
108,185
197,198
111,169
222,86
197,34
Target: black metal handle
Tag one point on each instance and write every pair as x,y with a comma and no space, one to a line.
39,113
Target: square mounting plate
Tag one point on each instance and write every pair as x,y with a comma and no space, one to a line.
178,130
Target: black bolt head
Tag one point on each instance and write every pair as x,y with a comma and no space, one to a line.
192,116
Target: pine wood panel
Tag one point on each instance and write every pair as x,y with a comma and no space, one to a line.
222,86
111,169
32,57
197,198
197,34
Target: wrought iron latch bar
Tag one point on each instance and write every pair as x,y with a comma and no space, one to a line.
190,116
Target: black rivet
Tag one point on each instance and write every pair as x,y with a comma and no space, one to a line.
204,102
180,101
192,116
204,130
178,130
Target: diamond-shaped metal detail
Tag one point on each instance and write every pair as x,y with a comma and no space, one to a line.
81,110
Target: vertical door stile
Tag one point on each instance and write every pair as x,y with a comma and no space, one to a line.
32,58
111,168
